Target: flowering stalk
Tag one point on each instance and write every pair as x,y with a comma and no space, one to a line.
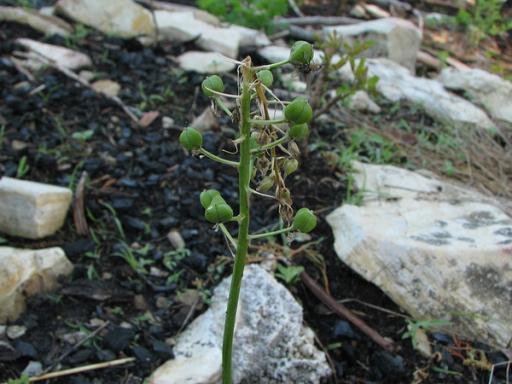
259,141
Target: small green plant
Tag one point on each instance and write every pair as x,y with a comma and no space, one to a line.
23,379
251,13
23,167
484,18
267,154
414,325
289,274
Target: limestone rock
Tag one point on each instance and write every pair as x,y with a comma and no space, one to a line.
437,249
32,210
123,18
204,62
490,90
271,344
47,24
362,102
61,56
108,87
396,39
396,83
26,273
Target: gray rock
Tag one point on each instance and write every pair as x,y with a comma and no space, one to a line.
205,62
490,90
271,344
362,102
396,39
16,331
32,210
123,18
437,249
47,24
25,272
396,83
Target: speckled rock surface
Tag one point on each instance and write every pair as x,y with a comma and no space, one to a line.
437,249
271,343
25,272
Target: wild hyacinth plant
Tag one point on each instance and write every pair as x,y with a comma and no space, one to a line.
267,155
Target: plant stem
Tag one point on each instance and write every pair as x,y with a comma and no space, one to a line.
271,66
217,158
268,122
267,234
226,233
244,178
271,145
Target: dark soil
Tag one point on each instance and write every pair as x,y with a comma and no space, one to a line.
143,182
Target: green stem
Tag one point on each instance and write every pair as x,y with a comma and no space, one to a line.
272,233
226,233
271,66
217,158
268,122
244,178
223,106
271,145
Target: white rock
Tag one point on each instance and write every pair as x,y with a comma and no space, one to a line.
16,331
205,62
437,249
362,102
271,344
396,83
199,14
249,37
396,39
32,210
64,57
183,26
47,24
167,122
26,272
123,18
107,87
493,92
206,120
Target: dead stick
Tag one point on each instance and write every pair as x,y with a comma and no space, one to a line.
78,207
343,311
86,368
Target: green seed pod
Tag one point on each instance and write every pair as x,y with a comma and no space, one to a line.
290,166
301,53
304,220
265,77
266,183
214,83
298,131
218,212
207,196
191,138
298,111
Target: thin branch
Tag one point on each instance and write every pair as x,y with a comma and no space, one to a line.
218,158
272,233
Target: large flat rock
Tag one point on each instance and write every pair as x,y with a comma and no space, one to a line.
490,90
123,18
271,344
25,272
437,249
397,39
47,24
30,209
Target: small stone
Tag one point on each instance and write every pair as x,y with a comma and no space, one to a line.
123,18
163,349
388,365
25,349
64,57
32,210
343,328
360,101
73,338
107,87
162,302
140,303
142,354
119,338
422,343
34,368
167,122
86,76
206,120
16,331
204,62
175,239
157,272
27,272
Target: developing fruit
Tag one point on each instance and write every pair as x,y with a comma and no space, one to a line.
191,139
298,131
213,83
265,77
301,53
304,220
298,111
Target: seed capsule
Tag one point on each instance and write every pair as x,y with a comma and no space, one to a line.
265,77
218,212
207,196
213,83
298,131
301,53
266,183
304,220
290,166
191,139
298,111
